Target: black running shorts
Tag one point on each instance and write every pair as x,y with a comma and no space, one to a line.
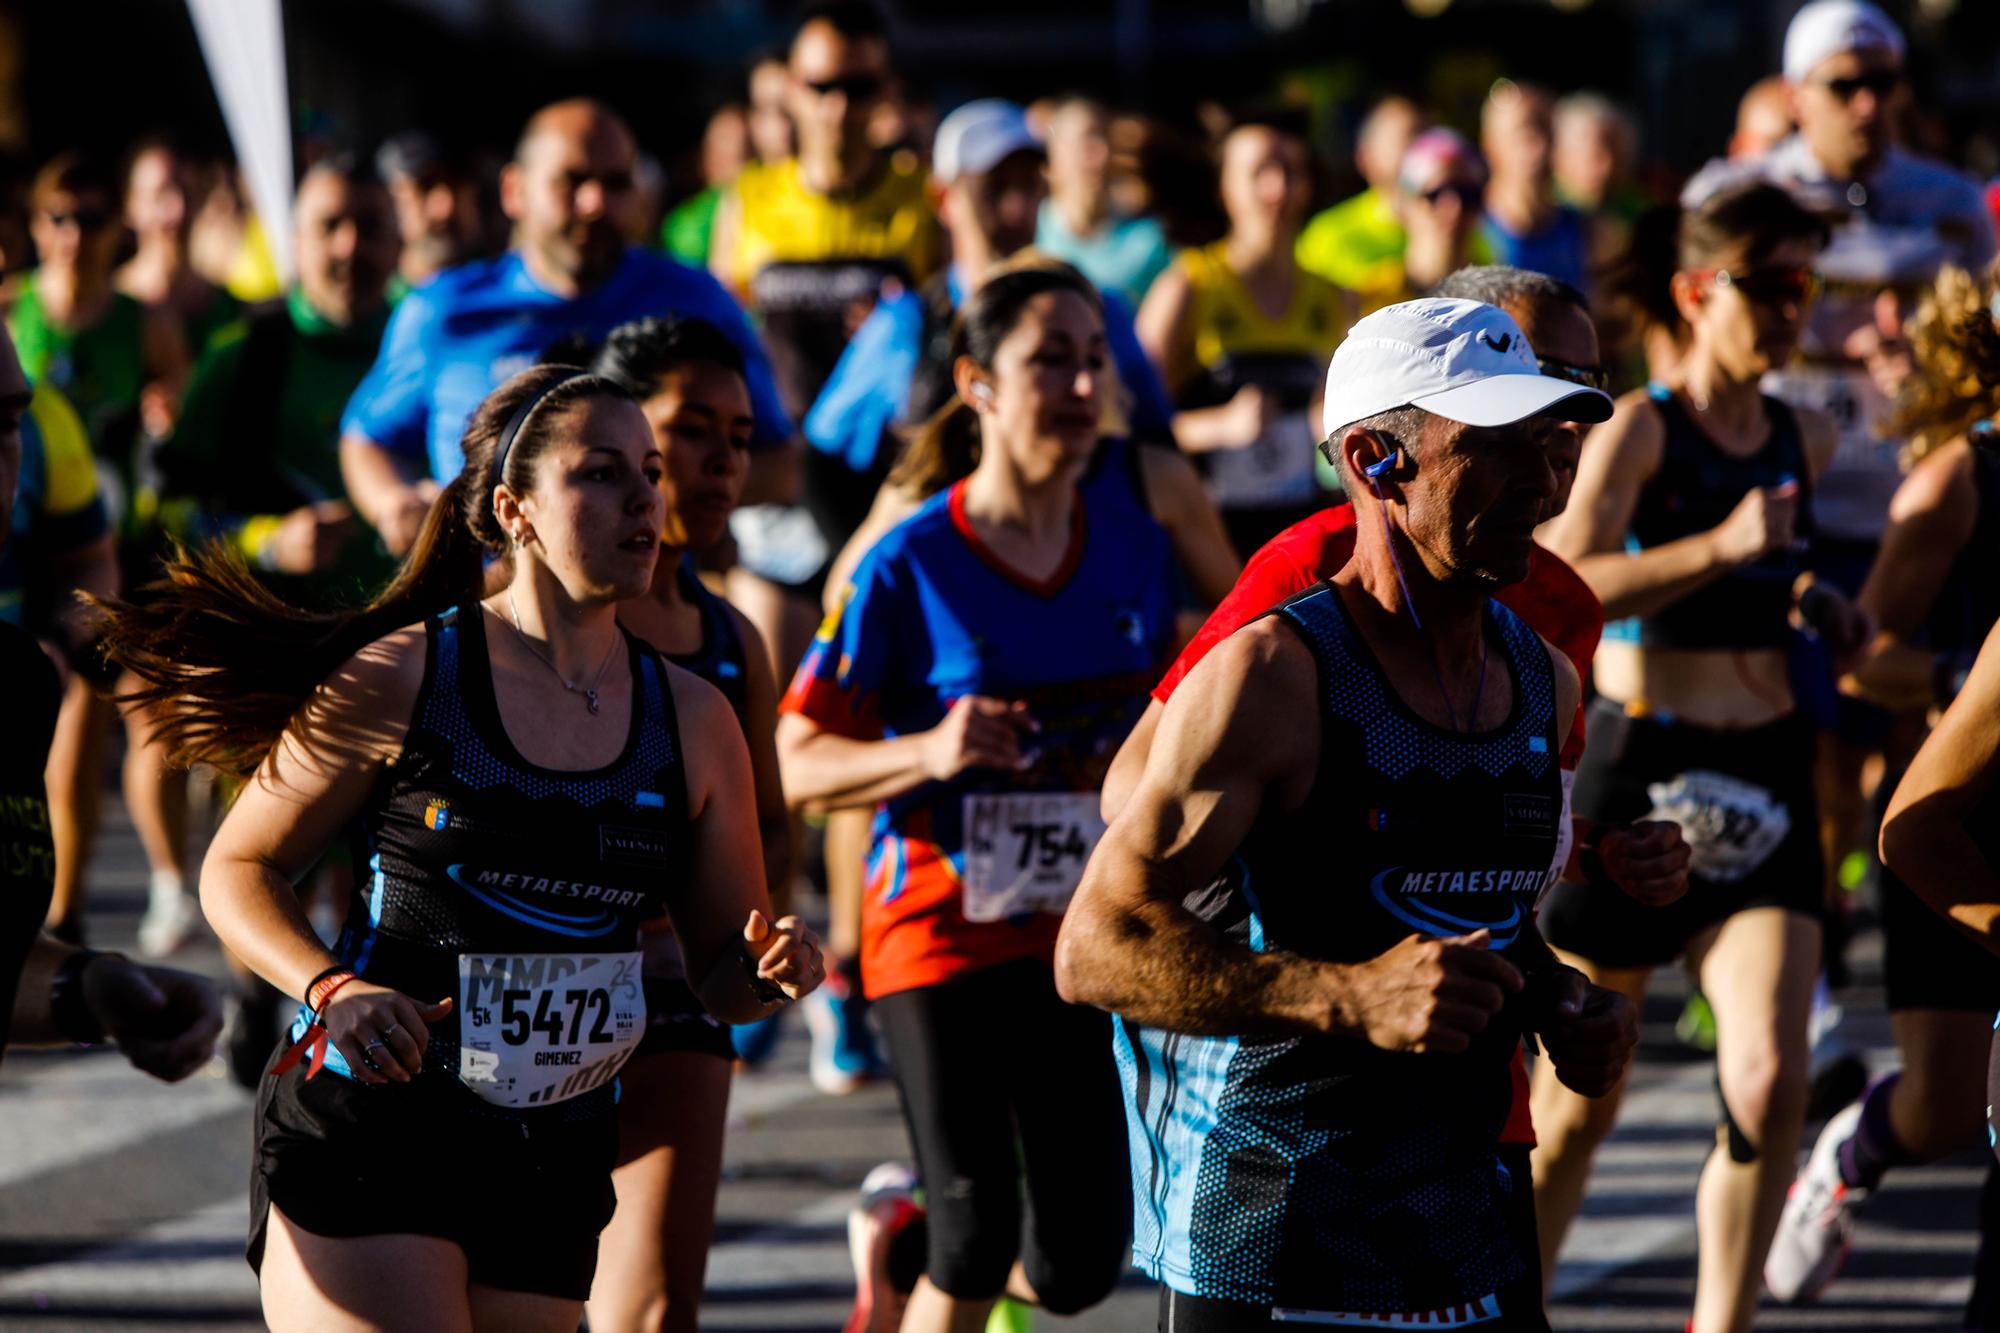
523,1196
1631,764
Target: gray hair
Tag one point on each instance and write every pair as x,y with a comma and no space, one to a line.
1405,425
1502,284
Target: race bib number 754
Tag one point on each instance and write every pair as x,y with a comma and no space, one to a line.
540,1028
1025,851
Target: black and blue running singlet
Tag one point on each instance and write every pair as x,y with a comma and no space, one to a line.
1329,1180
720,660
517,890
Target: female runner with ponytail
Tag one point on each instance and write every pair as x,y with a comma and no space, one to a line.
526,783
989,655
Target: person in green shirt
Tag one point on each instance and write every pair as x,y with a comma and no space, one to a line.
1358,243
120,362
725,147
159,211
254,460
759,130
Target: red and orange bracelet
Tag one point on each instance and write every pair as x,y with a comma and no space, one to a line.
311,1045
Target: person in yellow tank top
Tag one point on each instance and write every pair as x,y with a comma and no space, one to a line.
782,219
1242,334
809,242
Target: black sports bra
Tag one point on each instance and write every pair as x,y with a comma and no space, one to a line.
1694,490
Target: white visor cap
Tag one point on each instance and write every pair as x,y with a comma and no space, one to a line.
1463,360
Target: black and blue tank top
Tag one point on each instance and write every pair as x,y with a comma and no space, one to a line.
467,847
720,659
1326,1176
1694,490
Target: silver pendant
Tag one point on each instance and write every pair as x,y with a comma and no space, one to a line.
590,698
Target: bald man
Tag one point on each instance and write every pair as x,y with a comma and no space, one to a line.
571,275
1763,119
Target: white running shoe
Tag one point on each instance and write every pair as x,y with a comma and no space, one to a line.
171,916
1817,1226
888,1206
843,1054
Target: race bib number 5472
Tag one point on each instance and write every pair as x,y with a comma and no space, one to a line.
1025,851
540,1028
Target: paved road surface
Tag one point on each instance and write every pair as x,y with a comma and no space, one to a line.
122,1202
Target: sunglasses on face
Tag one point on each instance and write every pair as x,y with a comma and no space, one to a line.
859,88
83,219
1766,286
1590,377
1468,196
1881,85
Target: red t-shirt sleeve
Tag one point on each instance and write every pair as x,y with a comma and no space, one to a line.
1289,563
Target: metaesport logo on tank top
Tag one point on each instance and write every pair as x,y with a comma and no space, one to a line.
1457,897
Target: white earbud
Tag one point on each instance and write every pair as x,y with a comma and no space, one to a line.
982,392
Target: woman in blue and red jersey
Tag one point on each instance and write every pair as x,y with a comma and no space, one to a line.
988,658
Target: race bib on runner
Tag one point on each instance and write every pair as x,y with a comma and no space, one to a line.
540,1028
1731,826
1025,851
1273,470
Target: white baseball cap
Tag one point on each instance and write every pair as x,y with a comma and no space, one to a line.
978,137
1828,28
1464,360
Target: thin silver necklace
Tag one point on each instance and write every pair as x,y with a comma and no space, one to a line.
589,692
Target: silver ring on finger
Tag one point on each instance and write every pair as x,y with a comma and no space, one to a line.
374,1045
391,1028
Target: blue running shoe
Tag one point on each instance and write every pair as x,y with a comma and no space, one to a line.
844,1055
755,1041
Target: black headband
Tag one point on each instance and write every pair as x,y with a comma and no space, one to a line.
520,418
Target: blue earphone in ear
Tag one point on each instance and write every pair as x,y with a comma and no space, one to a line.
1382,465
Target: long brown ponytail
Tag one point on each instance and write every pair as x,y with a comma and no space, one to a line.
226,664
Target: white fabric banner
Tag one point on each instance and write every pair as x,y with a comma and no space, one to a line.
244,43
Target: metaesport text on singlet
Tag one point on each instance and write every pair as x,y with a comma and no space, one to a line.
514,888
1325,1176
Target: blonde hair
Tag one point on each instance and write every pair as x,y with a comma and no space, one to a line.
1955,345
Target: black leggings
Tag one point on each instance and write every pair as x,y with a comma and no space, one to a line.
1012,1096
